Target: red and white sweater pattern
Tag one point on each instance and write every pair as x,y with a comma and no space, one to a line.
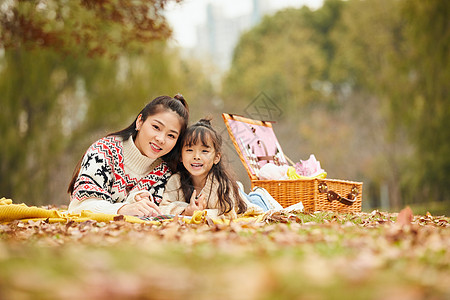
103,176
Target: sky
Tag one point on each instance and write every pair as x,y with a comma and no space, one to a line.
184,17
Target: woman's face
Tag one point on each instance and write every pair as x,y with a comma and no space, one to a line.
158,134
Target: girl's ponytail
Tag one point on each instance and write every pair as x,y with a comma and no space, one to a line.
207,123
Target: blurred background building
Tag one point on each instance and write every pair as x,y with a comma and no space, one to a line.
217,37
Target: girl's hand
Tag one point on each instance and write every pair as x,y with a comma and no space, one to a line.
195,204
143,207
200,202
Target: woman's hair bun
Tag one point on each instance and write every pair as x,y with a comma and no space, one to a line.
180,98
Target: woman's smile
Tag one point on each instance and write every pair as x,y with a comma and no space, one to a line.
155,147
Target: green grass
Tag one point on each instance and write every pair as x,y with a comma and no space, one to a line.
434,208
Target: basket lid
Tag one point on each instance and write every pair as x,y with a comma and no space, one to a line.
255,142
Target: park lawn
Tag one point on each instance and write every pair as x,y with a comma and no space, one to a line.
289,256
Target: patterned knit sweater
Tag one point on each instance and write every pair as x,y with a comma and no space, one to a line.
112,172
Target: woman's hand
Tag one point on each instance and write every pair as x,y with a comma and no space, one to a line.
142,195
143,207
195,204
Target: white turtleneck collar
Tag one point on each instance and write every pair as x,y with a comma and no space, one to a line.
134,162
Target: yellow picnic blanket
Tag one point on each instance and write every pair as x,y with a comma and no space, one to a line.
10,212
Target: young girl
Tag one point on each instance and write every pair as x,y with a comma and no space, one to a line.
126,171
202,181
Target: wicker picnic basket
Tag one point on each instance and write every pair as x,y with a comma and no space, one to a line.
256,144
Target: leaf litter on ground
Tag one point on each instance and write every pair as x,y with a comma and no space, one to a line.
320,255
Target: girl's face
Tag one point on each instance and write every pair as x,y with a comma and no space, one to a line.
158,134
198,159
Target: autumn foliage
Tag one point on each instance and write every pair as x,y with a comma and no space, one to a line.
88,26
324,255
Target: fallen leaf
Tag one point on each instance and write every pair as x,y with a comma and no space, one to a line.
119,218
405,216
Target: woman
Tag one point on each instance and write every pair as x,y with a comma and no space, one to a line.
126,171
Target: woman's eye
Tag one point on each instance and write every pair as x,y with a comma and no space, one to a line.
156,127
172,136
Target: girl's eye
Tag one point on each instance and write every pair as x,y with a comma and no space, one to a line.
205,151
172,136
156,127
188,150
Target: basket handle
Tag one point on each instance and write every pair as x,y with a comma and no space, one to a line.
266,157
332,195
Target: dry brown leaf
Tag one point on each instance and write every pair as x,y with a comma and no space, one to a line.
405,217
119,218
